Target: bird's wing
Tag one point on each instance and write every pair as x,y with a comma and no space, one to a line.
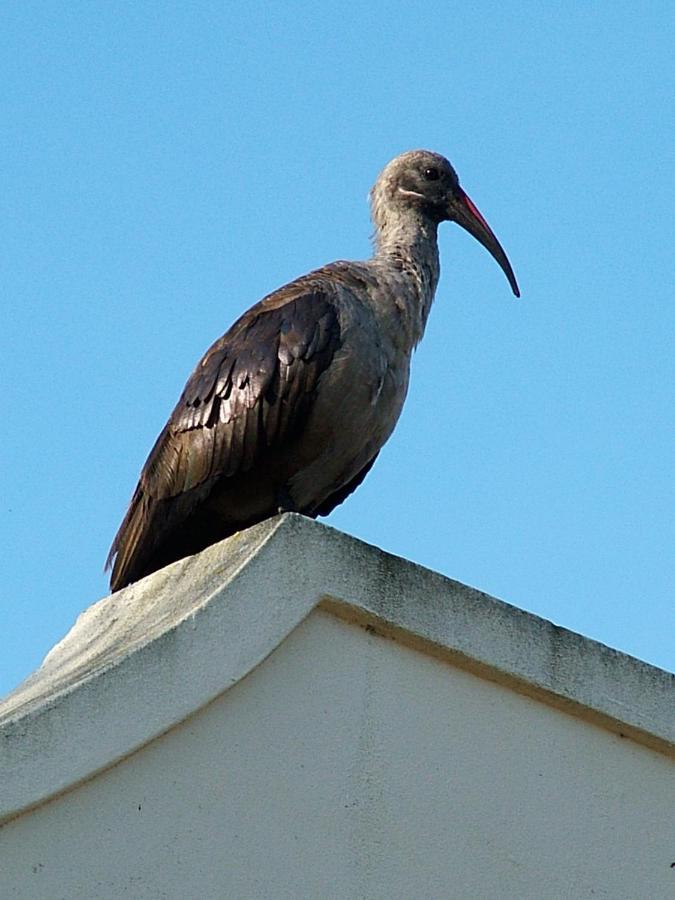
251,390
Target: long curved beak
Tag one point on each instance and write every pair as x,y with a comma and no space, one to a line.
463,210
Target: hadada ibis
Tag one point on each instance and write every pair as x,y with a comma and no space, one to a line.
290,408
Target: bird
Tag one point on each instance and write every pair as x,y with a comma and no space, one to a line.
288,410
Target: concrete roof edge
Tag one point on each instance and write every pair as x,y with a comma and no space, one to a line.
223,613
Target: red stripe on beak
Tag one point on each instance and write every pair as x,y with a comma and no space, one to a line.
464,211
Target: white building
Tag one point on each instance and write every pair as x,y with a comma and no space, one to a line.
295,714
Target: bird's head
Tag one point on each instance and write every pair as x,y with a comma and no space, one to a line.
425,183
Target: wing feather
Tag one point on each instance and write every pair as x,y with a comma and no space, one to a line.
250,392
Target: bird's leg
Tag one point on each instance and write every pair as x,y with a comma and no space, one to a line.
285,502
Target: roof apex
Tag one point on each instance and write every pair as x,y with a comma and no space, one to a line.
141,660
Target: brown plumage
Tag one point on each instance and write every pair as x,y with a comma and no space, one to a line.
289,409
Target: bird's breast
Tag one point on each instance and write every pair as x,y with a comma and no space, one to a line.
357,404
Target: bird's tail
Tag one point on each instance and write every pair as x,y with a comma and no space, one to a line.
125,558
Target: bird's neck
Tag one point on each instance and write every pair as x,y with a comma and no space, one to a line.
407,246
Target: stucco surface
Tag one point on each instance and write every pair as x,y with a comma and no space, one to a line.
295,713
349,766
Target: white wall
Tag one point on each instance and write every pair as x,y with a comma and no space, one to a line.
349,766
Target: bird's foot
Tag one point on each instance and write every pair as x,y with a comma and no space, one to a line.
285,502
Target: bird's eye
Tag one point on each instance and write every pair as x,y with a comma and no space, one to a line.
432,174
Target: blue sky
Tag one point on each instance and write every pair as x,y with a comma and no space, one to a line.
164,165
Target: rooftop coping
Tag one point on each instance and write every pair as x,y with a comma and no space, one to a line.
145,658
